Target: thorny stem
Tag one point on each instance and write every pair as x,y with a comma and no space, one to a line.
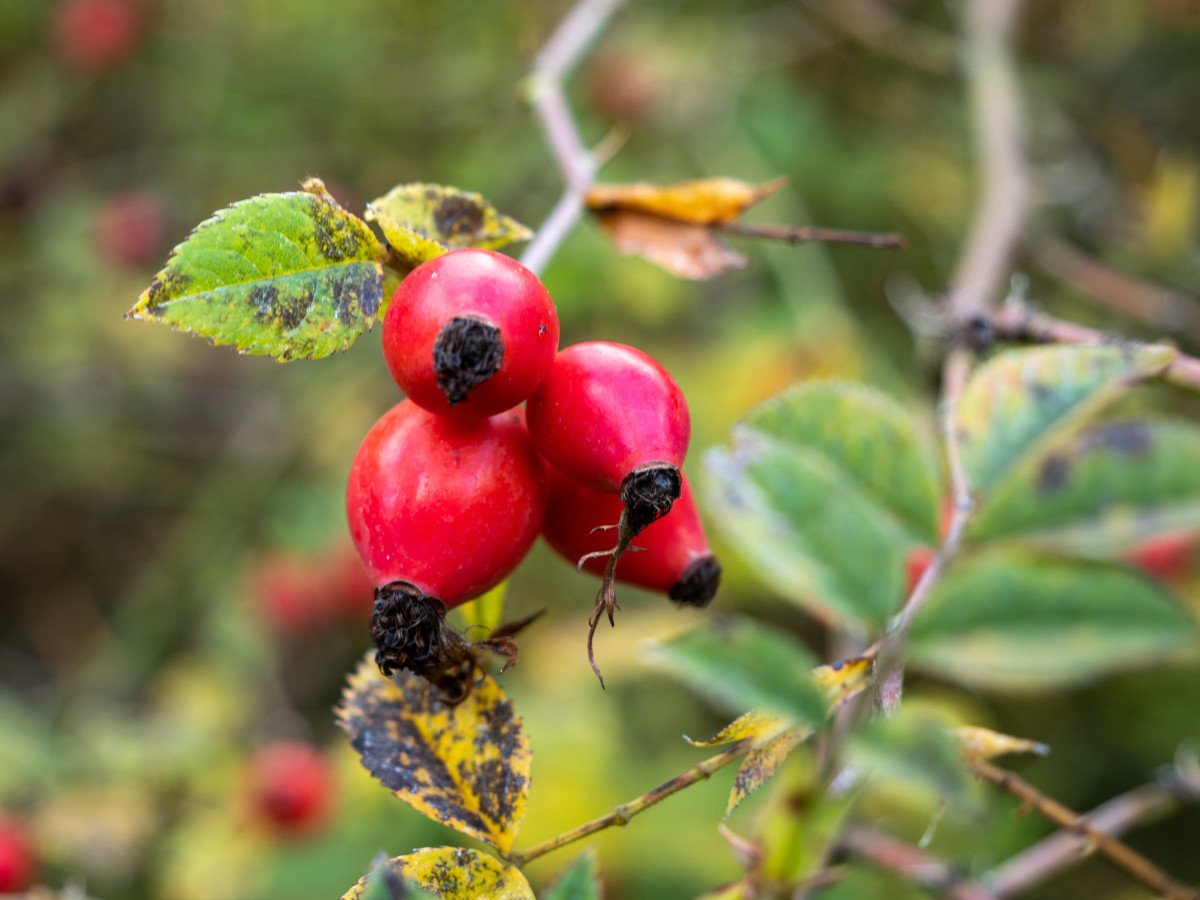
1017,322
1119,854
1142,805
620,815
802,234
574,34
914,865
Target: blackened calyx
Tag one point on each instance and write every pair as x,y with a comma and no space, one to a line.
468,351
410,632
648,492
698,584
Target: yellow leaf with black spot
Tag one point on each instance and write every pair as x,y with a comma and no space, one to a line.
453,873
466,766
772,742
840,681
756,725
762,762
422,221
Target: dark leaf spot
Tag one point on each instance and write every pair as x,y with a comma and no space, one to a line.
457,217
1123,438
168,284
1055,471
335,238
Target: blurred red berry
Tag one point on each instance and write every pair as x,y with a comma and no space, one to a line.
622,85
352,592
1167,557
17,864
128,229
93,36
290,788
291,592
919,559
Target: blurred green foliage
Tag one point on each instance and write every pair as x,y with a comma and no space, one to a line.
145,474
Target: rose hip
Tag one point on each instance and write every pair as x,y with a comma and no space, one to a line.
470,333
441,510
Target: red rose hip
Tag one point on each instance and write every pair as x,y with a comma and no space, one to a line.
441,510
470,333
610,416
671,555
607,410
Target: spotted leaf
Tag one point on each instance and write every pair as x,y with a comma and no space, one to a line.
292,275
421,221
772,740
451,873
466,766
1102,491
1022,403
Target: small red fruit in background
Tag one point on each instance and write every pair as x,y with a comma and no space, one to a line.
919,559
671,555
470,333
128,229
18,865
1167,557
442,510
94,36
302,595
290,788
287,588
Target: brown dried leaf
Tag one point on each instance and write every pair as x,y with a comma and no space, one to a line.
709,201
685,250
466,766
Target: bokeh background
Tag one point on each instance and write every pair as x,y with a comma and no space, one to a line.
167,507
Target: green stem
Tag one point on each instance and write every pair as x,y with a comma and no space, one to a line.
620,815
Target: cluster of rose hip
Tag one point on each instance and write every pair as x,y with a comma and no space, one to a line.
451,487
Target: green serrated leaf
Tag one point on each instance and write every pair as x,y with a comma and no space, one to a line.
744,665
293,276
807,531
1021,402
421,221
867,437
914,754
1101,492
453,873
578,882
1008,621
466,766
